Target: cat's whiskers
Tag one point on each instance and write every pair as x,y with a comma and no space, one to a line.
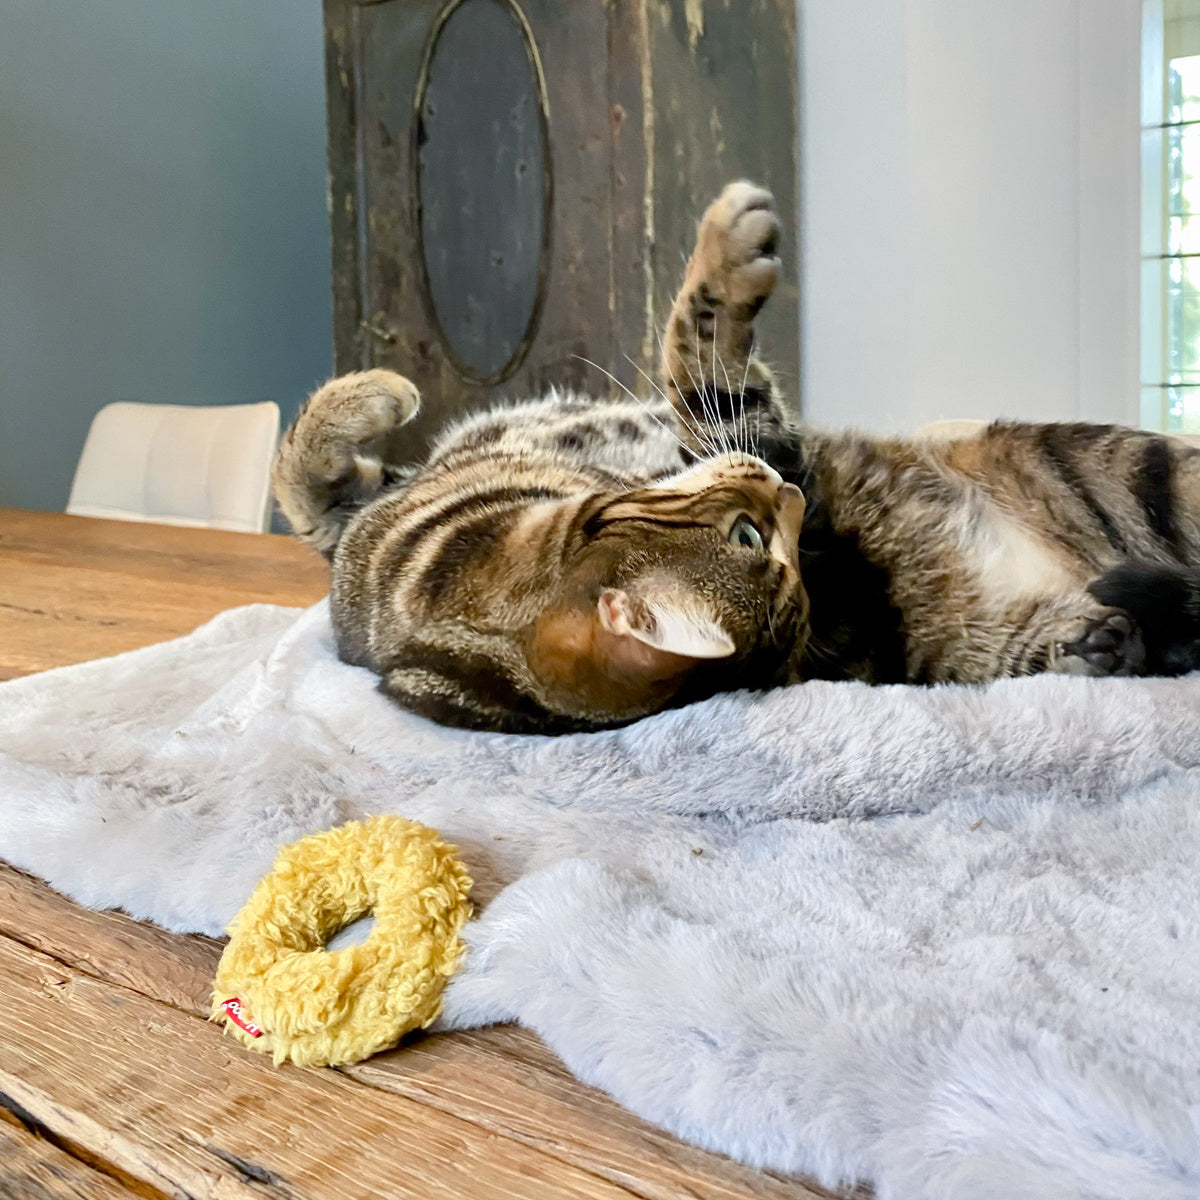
814,648
689,423
667,400
683,413
702,433
742,407
736,431
708,404
701,392
716,404
640,401
729,425
709,433
644,404
648,378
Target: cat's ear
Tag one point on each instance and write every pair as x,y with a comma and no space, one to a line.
628,655
672,622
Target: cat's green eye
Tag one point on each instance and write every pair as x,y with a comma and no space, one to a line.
745,534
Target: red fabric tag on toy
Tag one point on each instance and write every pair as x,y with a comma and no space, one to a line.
232,1008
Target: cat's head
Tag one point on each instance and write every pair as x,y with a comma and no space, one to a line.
682,588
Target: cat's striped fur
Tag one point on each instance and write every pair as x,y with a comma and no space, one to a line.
555,565
571,563
1025,548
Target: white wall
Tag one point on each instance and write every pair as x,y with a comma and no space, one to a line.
969,210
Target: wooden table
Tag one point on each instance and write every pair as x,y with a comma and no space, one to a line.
112,1083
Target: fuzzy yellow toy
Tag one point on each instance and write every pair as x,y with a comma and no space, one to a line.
278,989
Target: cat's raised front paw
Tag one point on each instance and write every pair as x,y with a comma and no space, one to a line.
735,264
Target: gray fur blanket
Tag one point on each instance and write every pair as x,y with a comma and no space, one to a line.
946,941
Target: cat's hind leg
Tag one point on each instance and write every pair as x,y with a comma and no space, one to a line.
709,367
1070,633
336,455
1109,642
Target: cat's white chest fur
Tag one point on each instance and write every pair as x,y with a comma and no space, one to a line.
1011,561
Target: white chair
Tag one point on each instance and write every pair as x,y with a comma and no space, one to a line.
178,465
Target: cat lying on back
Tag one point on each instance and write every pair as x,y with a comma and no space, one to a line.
569,564
562,564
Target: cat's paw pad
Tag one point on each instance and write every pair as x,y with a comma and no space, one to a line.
344,428
1110,644
360,408
735,263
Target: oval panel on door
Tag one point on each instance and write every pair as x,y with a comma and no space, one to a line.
482,178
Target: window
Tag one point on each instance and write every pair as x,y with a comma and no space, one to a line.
1170,365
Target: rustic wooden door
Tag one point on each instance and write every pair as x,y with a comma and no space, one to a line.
514,184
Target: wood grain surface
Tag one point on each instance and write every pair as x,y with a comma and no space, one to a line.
652,108
112,1082
77,588
33,1168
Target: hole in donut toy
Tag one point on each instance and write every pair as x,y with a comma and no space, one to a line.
354,933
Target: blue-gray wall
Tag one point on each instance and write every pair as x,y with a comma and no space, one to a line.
163,232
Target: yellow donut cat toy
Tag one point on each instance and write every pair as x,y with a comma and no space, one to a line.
277,988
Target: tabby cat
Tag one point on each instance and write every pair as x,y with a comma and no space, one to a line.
569,564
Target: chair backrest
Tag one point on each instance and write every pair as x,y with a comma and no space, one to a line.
179,465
